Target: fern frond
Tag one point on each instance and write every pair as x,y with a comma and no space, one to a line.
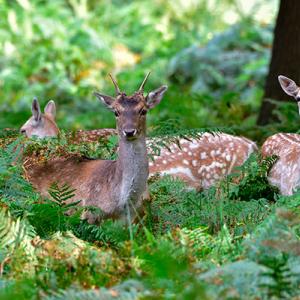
61,194
15,234
128,290
278,277
37,150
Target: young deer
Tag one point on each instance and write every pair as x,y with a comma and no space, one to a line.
108,184
202,162
285,174
44,125
41,125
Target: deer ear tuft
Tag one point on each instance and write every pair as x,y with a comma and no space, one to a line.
50,109
288,85
154,97
106,100
36,110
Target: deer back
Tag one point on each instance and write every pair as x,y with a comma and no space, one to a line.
285,174
91,136
201,162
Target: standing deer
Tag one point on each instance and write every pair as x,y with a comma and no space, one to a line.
204,161
285,174
200,163
109,184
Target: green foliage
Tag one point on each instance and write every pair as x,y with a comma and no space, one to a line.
22,289
128,290
16,244
75,44
65,146
174,206
15,191
222,59
280,273
55,214
251,178
237,240
14,232
61,194
109,233
235,64
226,242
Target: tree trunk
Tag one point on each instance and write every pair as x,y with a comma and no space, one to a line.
285,57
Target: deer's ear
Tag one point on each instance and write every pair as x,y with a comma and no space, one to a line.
289,86
36,110
106,100
50,109
154,97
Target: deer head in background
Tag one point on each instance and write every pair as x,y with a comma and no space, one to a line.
39,124
290,87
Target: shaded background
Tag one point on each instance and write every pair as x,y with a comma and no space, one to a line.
213,54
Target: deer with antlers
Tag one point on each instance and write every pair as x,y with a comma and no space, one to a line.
109,184
285,174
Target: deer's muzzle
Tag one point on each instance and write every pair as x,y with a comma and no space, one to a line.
130,132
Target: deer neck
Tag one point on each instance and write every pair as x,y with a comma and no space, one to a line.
132,170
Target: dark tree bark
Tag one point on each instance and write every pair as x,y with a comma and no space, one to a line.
285,57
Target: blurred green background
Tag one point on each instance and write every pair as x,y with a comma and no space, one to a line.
213,54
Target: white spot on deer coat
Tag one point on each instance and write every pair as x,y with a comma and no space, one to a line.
194,145
178,170
194,162
185,162
203,155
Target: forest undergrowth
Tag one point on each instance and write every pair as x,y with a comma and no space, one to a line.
237,240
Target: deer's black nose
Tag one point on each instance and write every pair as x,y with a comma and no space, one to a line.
129,132
22,131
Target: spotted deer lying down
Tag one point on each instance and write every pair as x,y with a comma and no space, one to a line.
285,174
115,186
202,162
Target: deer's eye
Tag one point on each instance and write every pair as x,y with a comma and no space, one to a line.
143,112
117,113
